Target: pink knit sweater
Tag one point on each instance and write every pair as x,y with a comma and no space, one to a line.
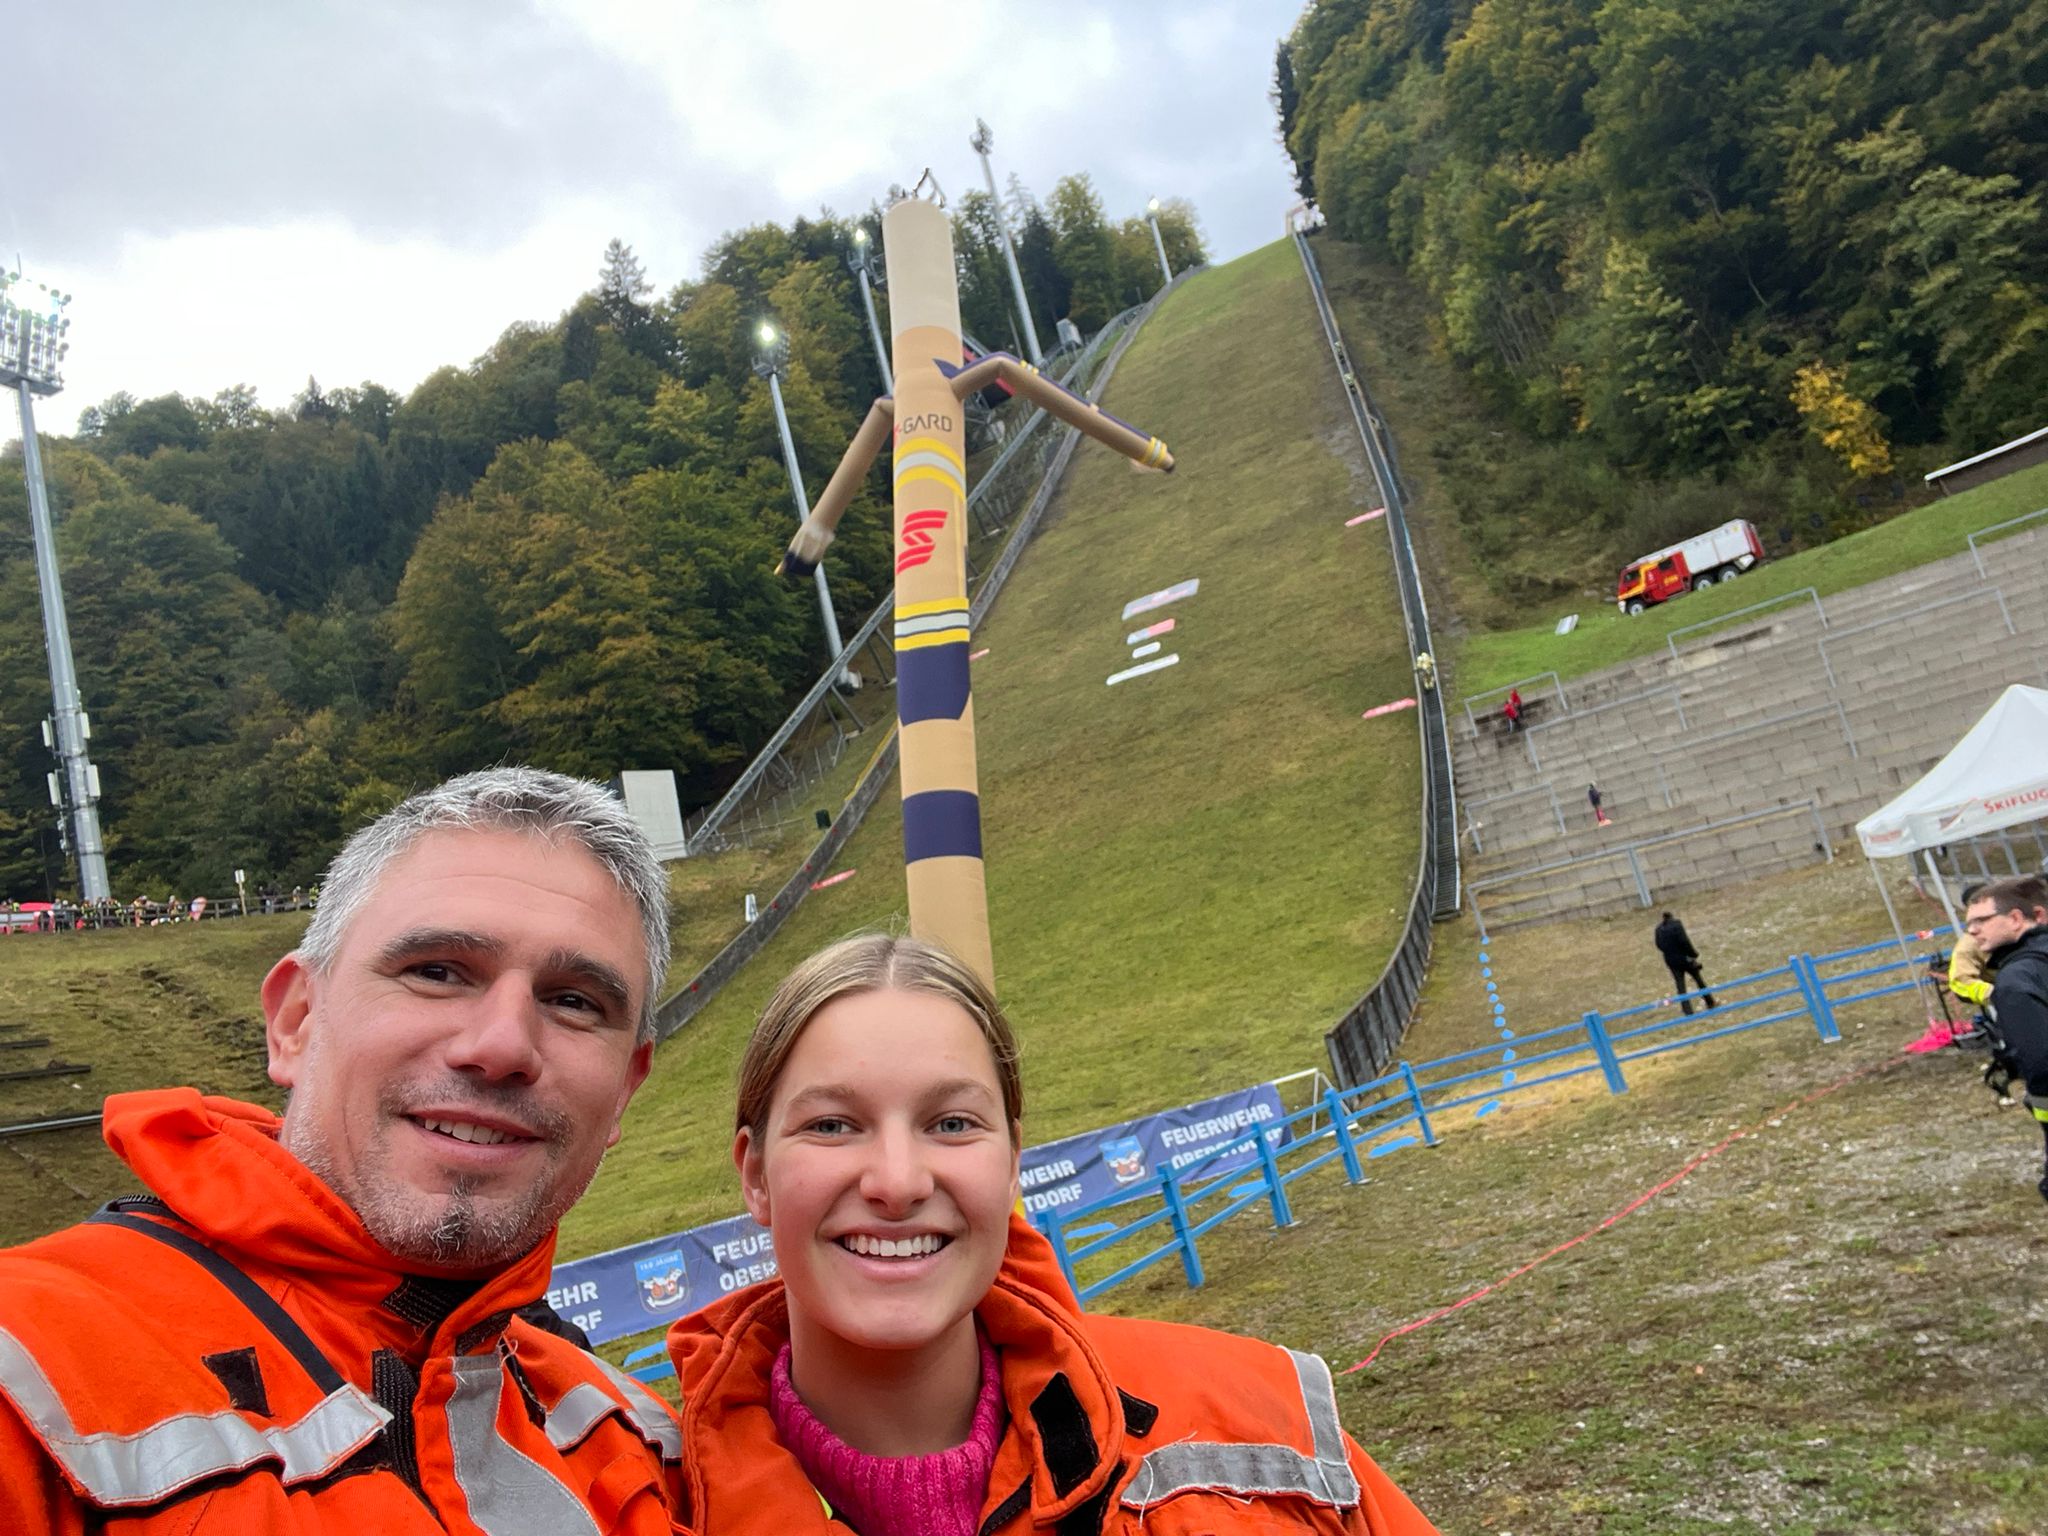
936,1495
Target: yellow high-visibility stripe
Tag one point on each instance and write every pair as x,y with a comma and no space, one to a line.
947,478
932,445
936,605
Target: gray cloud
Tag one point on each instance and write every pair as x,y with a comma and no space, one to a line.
376,188
457,121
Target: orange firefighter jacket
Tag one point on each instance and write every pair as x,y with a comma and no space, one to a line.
277,1371
1113,1425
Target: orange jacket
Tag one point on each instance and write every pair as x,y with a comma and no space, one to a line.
140,1392
1113,1425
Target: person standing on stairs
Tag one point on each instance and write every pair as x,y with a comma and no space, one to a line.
1600,817
1682,960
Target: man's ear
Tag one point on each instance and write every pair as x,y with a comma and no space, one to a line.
287,1018
636,1074
746,1156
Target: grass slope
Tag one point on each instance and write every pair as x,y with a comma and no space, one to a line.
143,1007
1605,636
1819,1331
1189,874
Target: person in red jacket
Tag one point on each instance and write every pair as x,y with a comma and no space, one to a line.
920,1367
309,1322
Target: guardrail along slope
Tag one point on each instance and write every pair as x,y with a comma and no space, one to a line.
1189,872
1365,1038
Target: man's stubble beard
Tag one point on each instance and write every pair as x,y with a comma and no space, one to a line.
445,1231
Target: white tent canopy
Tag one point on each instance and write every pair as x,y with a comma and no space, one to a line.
1995,777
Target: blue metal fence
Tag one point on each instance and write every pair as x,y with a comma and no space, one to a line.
1172,1210
1168,1214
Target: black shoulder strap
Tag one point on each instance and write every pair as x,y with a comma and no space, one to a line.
251,1295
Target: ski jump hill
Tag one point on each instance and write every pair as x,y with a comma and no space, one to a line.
1193,868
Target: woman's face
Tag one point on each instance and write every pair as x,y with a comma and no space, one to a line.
885,1169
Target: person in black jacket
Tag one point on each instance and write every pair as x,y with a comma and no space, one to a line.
2009,918
1682,960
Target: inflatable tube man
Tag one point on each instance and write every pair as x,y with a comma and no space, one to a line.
934,703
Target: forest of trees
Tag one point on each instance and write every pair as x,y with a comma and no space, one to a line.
561,554
1795,248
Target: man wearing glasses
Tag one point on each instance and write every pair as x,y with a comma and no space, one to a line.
2009,920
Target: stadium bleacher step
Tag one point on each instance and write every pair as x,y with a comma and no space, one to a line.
1777,711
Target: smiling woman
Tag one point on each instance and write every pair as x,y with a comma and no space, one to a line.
920,1364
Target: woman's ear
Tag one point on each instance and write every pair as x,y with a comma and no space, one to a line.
1017,1164
747,1158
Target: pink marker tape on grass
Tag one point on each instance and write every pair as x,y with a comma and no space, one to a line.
1387,709
838,879
1365,517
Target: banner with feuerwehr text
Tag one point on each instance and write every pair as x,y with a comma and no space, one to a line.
649,1285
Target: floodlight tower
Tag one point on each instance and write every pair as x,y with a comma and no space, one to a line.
862,260
770,358
1159,245
32,346
980,145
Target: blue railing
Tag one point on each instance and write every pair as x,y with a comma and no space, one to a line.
650,1363
1175,1207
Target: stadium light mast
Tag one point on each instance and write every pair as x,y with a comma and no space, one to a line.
32,346
1159,245
980,145
862,260
770,358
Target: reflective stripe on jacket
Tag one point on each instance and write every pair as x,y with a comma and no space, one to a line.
1969,972
1114,1425
138,1386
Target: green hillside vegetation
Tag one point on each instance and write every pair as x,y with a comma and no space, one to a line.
559,554
1720,254
1509,553
1193,873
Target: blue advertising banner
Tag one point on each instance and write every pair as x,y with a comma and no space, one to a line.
651,1284
1088,1167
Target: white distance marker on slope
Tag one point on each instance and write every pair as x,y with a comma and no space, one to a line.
1141,669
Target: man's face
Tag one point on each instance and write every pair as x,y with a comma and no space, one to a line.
459,1070
1993,928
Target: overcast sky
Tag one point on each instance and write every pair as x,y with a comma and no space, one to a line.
243,191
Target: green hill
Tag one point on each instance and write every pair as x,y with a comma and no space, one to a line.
1512,534
1190,874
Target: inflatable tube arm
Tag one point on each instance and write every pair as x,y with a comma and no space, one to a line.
1083,415
816,534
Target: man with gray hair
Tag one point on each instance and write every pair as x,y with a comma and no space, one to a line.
310,1320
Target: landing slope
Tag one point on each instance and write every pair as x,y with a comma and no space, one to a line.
1192,872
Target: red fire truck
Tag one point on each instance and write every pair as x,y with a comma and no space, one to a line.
1721,554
